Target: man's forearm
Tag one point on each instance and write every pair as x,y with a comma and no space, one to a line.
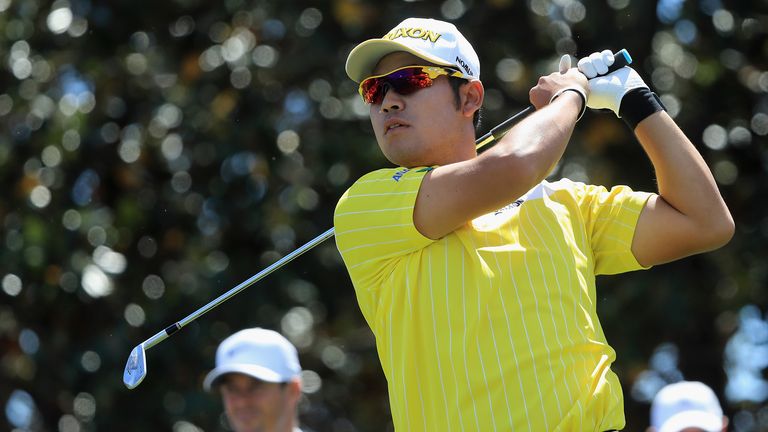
529,151
456,193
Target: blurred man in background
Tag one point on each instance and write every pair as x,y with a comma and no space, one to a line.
687,406
258,375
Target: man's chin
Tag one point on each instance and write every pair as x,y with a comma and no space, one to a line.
247,424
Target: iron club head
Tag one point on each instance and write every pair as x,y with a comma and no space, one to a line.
135,367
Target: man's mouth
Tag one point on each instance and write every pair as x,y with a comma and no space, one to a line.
393,125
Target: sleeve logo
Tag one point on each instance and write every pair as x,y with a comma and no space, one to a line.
399,174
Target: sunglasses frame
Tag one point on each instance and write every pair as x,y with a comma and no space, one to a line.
433,72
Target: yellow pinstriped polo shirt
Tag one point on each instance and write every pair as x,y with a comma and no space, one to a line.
494,326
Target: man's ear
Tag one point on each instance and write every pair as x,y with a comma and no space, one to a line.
472,97
294,389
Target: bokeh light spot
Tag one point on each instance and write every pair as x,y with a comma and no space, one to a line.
40,196
84,406
311,382
12,285
134,315
29,341
59,20
20,409
715,137
288,141
153,287
95,282
90,361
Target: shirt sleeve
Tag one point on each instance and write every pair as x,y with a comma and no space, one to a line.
373,223
611,218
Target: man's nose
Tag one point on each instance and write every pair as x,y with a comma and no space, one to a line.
392,101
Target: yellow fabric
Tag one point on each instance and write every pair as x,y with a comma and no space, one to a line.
492,327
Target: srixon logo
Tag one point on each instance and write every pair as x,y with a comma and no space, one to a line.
463,64
416,33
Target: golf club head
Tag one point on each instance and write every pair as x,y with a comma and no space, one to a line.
135,367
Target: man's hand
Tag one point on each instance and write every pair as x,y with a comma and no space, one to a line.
606,92
554,84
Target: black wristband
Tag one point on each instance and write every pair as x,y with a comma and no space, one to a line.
638,104
577,91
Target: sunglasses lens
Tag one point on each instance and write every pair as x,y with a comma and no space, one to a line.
371,89
404,81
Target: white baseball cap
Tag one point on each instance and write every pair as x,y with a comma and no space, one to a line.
436,41
257,352
686,404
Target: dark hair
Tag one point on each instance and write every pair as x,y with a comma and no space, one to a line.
456,83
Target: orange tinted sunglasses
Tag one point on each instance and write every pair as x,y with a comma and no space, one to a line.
404,80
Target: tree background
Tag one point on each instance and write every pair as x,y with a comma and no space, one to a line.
155,154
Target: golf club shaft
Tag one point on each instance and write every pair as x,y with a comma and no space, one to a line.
621,59
162,335
496,133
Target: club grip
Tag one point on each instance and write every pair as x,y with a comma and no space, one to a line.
620,59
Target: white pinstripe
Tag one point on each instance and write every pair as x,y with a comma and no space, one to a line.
369,228
541,327
549,297
434,334
570,289
513,346
527,338
389,180
391,340
466,361
487,388
501,291
382,194
480,352
387,210
450,335
370,245
501,368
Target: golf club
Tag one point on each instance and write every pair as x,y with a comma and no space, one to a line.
136,369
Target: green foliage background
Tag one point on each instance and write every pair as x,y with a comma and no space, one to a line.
153,154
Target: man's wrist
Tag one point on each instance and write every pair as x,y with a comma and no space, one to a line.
582,96
638,104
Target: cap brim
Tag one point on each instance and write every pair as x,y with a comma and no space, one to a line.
693,419
364,57
254,371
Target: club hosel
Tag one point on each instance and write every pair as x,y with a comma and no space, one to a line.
157,338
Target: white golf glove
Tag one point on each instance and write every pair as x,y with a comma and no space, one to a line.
606,92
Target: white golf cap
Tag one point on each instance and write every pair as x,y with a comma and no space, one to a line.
260,353
435,41
686,404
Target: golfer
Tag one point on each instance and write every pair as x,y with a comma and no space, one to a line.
475,274
259,377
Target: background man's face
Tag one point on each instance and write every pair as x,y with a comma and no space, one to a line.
252,405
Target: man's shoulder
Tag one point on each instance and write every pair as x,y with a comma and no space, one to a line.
389,178
393,175
383,188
